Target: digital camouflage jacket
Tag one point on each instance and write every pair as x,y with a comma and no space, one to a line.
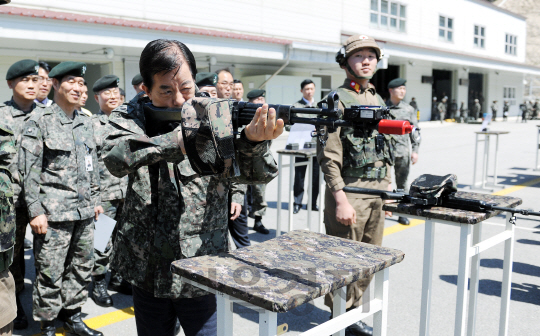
404,111
111,187
170,212
12,116
7,213
53,161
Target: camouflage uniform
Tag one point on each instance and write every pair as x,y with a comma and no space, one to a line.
442,110
402,150
113,192
256,199
347,161
476,110
53,161
15,118
8,307
170,212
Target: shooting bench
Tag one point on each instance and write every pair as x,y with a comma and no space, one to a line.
310,154
485,158
286,272
470,248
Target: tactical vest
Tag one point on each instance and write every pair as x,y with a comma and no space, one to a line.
360,154
7,213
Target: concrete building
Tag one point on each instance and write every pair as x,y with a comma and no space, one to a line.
461,49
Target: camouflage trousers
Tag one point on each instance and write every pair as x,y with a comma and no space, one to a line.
112,209
402,165
256,199
64,258
369,229
17,268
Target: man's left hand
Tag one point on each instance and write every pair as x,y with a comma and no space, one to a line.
98,210
264,125
235,210
414,158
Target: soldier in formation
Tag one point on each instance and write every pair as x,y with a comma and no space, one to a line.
206,82
355,216
406,148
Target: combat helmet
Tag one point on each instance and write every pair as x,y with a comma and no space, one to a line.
353,44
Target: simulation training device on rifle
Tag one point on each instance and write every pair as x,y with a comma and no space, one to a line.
432,190
363,119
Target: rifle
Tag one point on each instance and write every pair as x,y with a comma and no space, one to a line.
431,190
363,119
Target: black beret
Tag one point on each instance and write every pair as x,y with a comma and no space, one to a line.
256,94
105,82
68,68
22,68
137,79
394,83
206,79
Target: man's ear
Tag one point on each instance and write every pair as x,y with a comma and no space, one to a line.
96,98
10,83
55,84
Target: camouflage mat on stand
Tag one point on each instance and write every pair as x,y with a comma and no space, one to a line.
286,272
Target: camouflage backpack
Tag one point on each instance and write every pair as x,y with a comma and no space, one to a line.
433,187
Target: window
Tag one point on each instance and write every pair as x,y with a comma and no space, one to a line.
388,14
446,28
509,95
479,36
510,46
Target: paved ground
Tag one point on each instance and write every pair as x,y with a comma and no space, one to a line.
446,148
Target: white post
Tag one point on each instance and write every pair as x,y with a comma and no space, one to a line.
496,160
427,274
475,276
322,190
291,191
280,173
267,323
224,315
537,147
310,189
381,293
507,278
475,160
463,277
339,306
485,161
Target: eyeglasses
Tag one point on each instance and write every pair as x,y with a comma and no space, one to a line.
43,79
110,93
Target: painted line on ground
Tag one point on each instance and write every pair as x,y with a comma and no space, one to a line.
129,312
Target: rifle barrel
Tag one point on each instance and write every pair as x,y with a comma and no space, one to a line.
381,193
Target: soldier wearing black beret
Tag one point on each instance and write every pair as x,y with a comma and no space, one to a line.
22,78
206,82
403,153
137,83
61,189
257,96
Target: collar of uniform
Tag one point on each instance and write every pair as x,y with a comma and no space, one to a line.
64,119
16,110
104,118
353,85
391,105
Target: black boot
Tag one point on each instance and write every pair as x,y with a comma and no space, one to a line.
359,329
99,293
259,227
21,321
117,284
47,328
74,326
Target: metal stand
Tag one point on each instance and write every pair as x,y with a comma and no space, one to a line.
336,326
536,167
470,247
310,155
485,159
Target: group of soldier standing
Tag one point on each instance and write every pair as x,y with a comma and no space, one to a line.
67,168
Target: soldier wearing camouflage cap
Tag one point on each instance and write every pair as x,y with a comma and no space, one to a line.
357,162
113,189
22,78
173,208
406,149
206,82
58,163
